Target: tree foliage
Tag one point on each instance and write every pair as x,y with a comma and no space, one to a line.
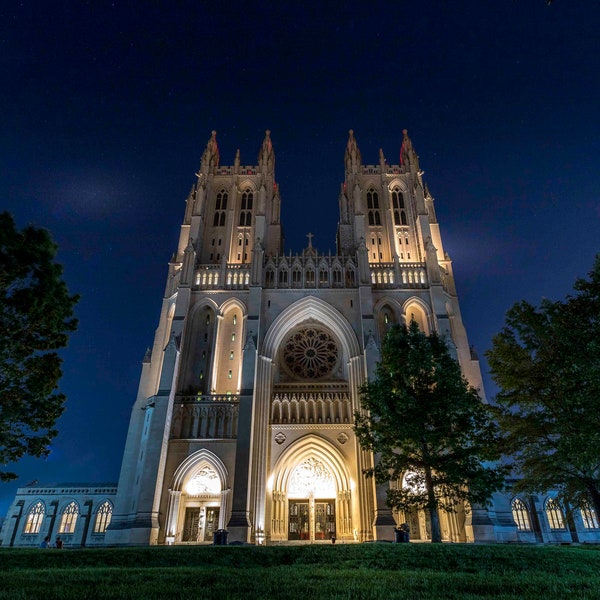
36,316
546,361
428,427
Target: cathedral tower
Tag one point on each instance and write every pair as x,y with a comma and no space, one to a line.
244,415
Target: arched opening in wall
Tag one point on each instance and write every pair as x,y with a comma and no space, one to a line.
311,494
198,499
199,339
35,516
386,317
414,312
226,378
201,506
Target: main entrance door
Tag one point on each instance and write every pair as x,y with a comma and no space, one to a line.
311,519
200,524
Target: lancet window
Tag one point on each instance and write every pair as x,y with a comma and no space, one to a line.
103,517
220,208
554,513
34,518
373,215
69,518
246,208
589,517
521,515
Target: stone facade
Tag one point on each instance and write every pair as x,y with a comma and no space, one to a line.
244,415
78,513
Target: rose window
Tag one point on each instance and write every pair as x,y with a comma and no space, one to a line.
310,354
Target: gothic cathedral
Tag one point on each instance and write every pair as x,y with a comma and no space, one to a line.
244,416
242,431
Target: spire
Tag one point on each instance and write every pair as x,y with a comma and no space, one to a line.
408,156
266,156
210,156
381,157
352,157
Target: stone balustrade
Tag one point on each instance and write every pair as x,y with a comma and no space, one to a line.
205,417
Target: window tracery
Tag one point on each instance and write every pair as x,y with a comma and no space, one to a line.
521,515
554,514
589,517
34,518
310,353
246,208
69,518
312,478
205,481
103,517
220,208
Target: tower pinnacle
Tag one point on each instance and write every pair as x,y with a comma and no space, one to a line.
210,156
352,157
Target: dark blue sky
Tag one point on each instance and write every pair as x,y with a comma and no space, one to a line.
105,108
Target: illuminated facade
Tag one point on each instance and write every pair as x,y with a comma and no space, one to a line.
244,418
244,415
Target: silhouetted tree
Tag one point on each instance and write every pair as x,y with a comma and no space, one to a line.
546,361
36,316
428,427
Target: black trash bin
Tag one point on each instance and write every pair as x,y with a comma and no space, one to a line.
220,537
401,535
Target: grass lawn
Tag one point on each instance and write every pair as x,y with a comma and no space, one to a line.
380,571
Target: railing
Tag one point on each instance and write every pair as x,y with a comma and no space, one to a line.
405,275
389,169
312,271
230,277
205,417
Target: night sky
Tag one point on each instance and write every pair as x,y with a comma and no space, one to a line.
106,107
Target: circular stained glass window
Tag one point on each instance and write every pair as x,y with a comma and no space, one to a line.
310,353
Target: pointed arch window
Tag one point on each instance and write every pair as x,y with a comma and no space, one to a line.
270,277
554,513
69,518
297,277
34,518
589,517
103,517
521,515
220,208
221,200
372,199
403,220
397,198
246,208
373,216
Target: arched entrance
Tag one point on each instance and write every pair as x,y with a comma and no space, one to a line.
311,494
311,500
198,501
201,506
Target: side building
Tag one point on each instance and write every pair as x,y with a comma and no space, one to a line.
78,513
244,414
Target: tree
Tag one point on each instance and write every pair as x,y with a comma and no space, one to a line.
428,428
36,315
546,362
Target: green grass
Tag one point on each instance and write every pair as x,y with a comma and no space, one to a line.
379,571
